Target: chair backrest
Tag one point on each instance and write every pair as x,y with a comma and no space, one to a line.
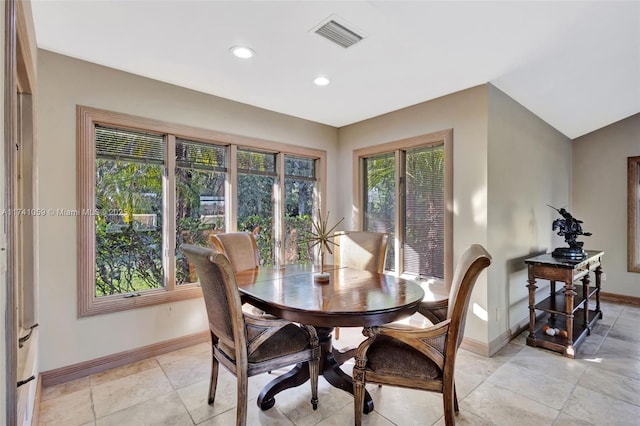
473,261
220,292
240,248
361,250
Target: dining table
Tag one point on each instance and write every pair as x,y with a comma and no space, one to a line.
349,298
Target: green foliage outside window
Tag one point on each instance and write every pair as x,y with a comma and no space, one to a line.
128,227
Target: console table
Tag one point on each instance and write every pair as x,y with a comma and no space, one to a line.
567,309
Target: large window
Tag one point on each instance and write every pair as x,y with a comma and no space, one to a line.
145,187
404,189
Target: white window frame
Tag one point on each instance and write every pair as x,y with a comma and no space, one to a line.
444,137
87,118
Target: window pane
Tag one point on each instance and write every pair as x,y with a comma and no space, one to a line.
128,227
256,180
200,204
424,212
253,161
129,145
380,202
299,208
299,166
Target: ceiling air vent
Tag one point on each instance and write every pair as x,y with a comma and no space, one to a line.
339,34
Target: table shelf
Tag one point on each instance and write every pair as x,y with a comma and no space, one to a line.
557,304
559,343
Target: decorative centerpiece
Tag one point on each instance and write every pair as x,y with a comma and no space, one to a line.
570,228
322,236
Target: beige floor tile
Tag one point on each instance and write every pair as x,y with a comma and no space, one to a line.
188,369
195,396
540,386
185,352
567,420
345,416
466,382
128,391
125,370
471,363
539,360
70,409
612,384
624,366
599,409
295,403
626,328
614,347
610,314
502,407
466,418
165,410
395,404
82,384
255,416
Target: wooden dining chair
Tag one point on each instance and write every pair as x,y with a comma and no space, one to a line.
421,357
240,248
360,250
246,344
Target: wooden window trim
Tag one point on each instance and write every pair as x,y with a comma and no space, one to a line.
446,138
87,118
633,215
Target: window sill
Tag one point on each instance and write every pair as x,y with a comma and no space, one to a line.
92,306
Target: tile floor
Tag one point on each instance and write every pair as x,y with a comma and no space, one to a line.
518,386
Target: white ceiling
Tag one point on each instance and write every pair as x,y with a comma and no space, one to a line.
574,64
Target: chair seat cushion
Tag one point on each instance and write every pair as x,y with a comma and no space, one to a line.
387,355
288,340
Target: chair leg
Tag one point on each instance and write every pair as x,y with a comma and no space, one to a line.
314,367
213,383
241,409
448,398
455,399
336,333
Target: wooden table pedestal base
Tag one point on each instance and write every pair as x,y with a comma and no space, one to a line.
330,361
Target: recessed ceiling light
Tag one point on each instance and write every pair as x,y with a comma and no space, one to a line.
321,81
242,52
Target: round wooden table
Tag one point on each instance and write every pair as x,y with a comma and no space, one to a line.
351,298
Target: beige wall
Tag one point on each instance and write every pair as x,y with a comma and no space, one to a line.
466,113
600,197
529,165
65,83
